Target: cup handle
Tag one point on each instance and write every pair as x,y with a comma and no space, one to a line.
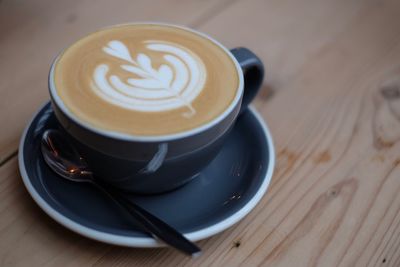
253,74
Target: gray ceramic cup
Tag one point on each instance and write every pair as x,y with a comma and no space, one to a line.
156,164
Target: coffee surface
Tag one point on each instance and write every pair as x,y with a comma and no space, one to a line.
145,79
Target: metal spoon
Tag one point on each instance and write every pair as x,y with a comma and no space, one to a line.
61,156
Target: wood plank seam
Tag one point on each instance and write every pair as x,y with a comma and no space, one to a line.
8,157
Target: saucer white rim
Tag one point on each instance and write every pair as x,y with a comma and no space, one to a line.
147,241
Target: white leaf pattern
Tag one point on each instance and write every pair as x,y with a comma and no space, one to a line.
145,62
119,50
146,83
136,70
165,75
173,85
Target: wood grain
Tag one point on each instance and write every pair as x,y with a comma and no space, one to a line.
332,101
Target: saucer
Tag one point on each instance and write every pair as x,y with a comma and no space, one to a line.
223,193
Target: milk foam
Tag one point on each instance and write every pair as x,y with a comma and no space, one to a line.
175,84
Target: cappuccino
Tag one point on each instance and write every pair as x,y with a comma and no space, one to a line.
146,79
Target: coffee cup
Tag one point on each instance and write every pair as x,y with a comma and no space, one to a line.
149,105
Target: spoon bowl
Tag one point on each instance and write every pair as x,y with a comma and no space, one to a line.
63,158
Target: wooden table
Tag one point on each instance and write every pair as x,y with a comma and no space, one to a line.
331,98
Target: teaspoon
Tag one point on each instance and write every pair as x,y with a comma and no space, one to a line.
62,157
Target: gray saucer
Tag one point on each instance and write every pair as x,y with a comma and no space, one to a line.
227,190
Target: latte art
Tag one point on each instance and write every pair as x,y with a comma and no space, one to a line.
146,79
175,84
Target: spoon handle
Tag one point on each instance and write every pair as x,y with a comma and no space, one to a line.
154,226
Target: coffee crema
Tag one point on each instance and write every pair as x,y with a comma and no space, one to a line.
146,79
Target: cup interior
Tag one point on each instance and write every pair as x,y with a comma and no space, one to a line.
152,138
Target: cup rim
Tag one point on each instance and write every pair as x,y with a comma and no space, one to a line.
151,138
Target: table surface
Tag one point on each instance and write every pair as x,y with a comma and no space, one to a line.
331,98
